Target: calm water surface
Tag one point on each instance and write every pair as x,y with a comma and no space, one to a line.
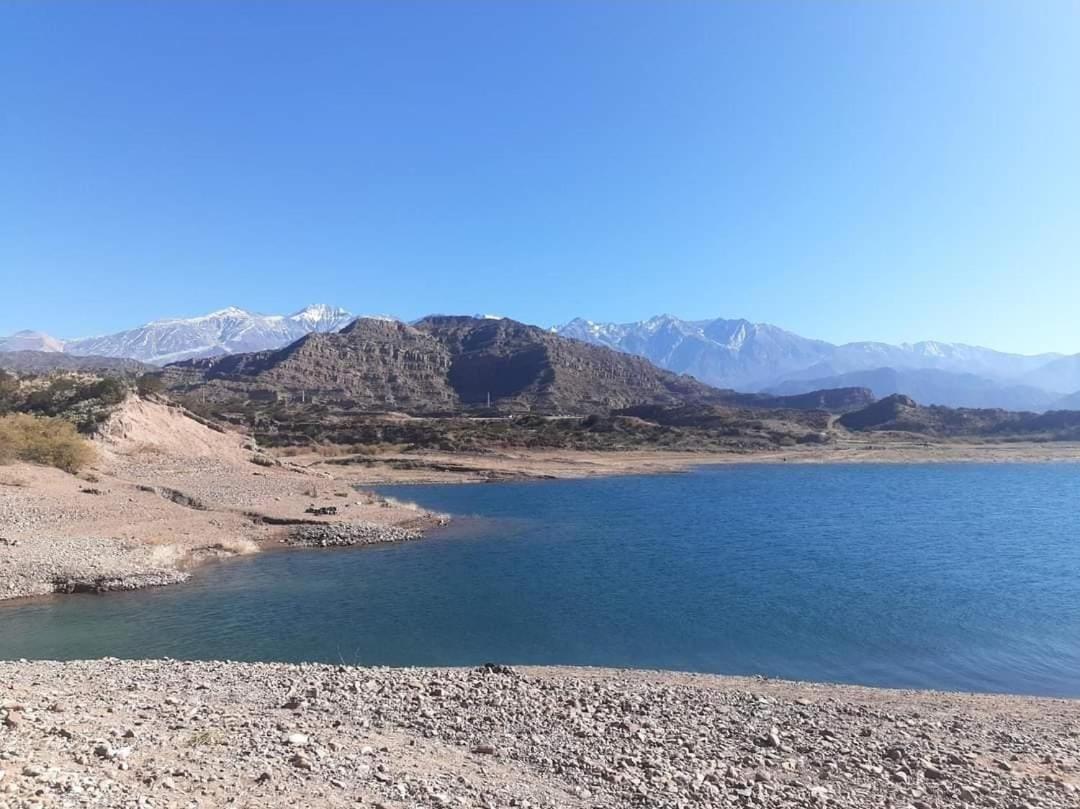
955,577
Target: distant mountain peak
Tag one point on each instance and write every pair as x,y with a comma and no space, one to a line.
29,340
230,311
224,331
315,311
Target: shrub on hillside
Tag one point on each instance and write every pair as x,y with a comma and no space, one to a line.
149,384
9,390
43,440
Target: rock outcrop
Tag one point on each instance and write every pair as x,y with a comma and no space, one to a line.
899,413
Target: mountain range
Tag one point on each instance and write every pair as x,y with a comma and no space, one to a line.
760,357
729,354
226,331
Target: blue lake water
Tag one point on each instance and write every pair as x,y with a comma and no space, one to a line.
963,577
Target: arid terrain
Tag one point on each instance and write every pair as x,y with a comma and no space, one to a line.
165,494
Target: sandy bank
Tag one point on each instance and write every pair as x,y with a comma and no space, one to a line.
439,467
167,494
170,734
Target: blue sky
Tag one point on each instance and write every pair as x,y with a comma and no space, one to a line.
893,171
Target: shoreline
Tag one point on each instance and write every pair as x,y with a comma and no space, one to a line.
121,731
508,465
166,495
148,515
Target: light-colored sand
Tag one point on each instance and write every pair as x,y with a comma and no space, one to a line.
166,494
440,467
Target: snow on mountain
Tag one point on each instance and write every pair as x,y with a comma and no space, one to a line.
320,317
757,356
227,331
726,353
27,340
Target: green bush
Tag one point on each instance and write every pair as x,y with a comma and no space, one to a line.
148,384
43,440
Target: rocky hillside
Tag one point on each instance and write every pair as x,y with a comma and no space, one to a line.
534,369
901,413
439,364
369,365
832,400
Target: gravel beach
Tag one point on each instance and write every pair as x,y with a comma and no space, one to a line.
193,734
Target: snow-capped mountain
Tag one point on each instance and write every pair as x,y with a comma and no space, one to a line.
27,340
727,353
757,356
226,331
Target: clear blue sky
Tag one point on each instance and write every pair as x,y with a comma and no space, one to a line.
848,170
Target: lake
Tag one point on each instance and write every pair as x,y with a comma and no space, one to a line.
959,577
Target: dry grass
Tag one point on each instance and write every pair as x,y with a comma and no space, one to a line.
43,440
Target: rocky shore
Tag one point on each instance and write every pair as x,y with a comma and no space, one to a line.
193,734
347,534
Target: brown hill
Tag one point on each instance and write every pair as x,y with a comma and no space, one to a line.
369,365
532,369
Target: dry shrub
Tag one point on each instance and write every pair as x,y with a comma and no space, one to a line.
43,440
338,450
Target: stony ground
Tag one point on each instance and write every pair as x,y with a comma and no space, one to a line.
171,734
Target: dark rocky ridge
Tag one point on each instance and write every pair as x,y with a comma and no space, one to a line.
534,369
832,400
899,413
368,365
